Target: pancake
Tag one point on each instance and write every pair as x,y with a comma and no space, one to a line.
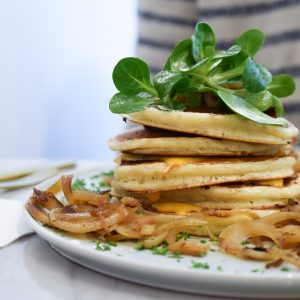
270,194
146,173
147,141
229,126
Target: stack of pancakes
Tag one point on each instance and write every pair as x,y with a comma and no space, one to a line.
223,167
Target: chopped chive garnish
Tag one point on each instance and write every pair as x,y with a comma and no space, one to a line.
176,256
198,264
107,174
255,270
79,184
102,247
246,242
139,246
182,236
113,244
160,250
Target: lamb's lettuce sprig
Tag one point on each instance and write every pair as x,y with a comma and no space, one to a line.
195,67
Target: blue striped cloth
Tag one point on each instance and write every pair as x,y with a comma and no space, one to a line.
162,23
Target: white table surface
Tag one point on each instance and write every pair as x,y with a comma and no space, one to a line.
31,269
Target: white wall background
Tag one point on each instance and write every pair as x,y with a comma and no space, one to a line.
56,60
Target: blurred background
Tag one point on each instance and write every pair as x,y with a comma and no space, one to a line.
56,61
57,57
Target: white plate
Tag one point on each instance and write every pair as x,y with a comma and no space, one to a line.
226,276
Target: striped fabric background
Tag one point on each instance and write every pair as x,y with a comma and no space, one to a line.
162,23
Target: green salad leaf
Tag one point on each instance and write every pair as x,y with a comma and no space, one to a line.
251,41
131,76
282,85
123,104
181,57
167,81
203,41
255,77
247,110
196,71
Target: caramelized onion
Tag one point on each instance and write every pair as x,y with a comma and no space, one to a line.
277,228
192,248
273,238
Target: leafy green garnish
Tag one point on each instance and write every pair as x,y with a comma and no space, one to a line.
282,85
257,39
246,109
131,76
120,103
255,77
196,67
203,41
181,57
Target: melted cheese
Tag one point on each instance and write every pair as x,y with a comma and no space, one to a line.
152,197
270,182
177,161
174,162
175,207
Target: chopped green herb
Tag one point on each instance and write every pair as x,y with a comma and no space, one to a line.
79,184
219,268
160,250
246,242
182,236
102,247
285,269
202,254
113,244
176,256
108,174
139,246
255,270
104,184
212,250
198,264
203,241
